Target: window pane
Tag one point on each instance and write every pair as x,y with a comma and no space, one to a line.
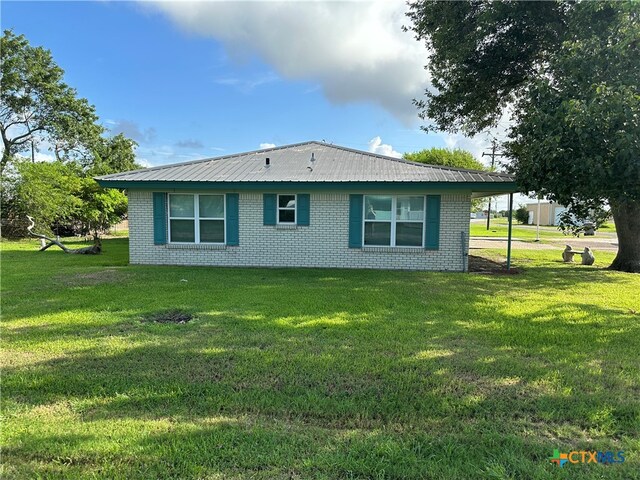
286,216
377,207
212,231
377,233
183,231
287,201
181,206
211,206
410,208
409,234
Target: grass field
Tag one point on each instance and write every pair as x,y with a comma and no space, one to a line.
287,373
499,228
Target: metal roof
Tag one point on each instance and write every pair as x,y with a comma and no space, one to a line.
292,163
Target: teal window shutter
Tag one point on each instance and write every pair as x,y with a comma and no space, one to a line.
269,208
302,209
159,218
432,235
355,220
232,220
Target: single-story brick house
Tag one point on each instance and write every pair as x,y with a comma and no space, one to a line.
304,205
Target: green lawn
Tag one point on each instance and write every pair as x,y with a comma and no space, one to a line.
290,373
499,228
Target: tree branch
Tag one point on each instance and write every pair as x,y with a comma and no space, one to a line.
92,250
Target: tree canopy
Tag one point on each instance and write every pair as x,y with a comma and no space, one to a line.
37,108
446,157
569,73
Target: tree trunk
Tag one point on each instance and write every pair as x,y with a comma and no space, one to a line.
94,249
626,214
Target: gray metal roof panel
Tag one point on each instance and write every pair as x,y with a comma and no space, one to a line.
291,164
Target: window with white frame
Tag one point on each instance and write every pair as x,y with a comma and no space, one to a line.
394,221
196,218
286,209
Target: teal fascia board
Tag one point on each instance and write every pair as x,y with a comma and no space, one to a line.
170,186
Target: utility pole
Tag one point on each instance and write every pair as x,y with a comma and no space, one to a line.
493,155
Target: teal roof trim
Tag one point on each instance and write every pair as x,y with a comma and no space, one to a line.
170,186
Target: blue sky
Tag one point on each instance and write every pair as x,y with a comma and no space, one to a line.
197,80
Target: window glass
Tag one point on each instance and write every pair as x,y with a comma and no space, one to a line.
286,209
286,201
212,231
286,216
377,233
183,231
211,206
410,208
396,221
378,207
409,234
181,206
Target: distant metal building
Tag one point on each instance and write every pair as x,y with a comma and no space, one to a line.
549,212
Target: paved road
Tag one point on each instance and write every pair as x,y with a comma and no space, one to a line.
594,243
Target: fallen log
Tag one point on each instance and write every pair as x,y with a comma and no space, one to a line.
94,249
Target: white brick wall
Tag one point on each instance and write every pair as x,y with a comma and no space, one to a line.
322,244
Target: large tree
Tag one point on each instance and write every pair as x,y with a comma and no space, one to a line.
569,71
36,106
446,157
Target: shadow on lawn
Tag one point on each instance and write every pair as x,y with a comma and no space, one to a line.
403,385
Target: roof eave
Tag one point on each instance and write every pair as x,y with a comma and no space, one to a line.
482,188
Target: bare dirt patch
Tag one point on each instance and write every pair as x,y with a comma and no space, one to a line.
489,266
168,316
108,275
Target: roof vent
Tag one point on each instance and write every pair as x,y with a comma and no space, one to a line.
313,158
267,162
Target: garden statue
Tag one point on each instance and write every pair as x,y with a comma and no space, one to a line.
587,257
567,254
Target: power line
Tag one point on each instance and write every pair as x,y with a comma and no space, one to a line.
493,155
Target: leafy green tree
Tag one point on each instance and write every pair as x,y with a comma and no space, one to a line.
112,155
37,106
570,71
44,190
446,157
521,214
101,207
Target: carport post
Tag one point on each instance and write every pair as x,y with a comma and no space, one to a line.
509,234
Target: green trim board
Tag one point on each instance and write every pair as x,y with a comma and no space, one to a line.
348,187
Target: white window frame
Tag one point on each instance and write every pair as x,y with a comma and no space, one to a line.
394,221
196,218
295,208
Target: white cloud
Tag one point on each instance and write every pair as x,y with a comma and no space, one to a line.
144,162
376,146
131,130
247,85
356,51
42,156
481,143
267,145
